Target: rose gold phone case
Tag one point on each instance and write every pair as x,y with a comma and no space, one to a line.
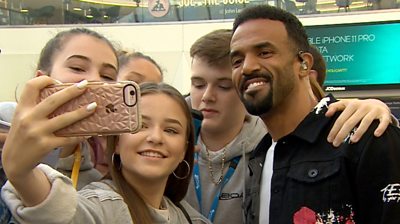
117,109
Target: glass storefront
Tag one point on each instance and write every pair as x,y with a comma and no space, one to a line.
32,12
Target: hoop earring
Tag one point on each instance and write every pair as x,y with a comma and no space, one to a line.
187,174
116,161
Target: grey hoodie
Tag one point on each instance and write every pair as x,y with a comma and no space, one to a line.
229,209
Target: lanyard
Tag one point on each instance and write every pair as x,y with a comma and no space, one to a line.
77,165
197,184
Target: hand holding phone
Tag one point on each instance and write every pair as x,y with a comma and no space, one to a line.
117,108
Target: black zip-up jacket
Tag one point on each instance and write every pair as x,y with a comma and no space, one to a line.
314,182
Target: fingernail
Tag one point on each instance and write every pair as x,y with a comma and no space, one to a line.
82,84
57,81
91,106
336,143
329,139
354,139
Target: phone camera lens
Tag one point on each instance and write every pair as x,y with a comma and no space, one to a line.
132,93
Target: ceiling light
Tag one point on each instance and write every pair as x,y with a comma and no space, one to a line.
22,7
125,3
88,14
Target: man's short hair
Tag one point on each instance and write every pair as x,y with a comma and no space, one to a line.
294,28
213,48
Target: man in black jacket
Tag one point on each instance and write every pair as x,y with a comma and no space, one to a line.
297,176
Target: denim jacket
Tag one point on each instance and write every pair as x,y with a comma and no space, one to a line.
314,182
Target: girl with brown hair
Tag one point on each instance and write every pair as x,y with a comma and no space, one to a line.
150,169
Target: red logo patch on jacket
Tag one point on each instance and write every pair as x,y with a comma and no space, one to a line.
308,216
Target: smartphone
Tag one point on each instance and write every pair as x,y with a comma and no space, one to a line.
117,108
197,119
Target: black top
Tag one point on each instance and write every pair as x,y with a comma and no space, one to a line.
313,181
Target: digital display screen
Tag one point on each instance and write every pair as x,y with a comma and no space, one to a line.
359,56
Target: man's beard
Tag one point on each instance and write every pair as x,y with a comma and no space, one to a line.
258,107
255,106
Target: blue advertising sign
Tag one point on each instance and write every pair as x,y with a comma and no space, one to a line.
359,56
